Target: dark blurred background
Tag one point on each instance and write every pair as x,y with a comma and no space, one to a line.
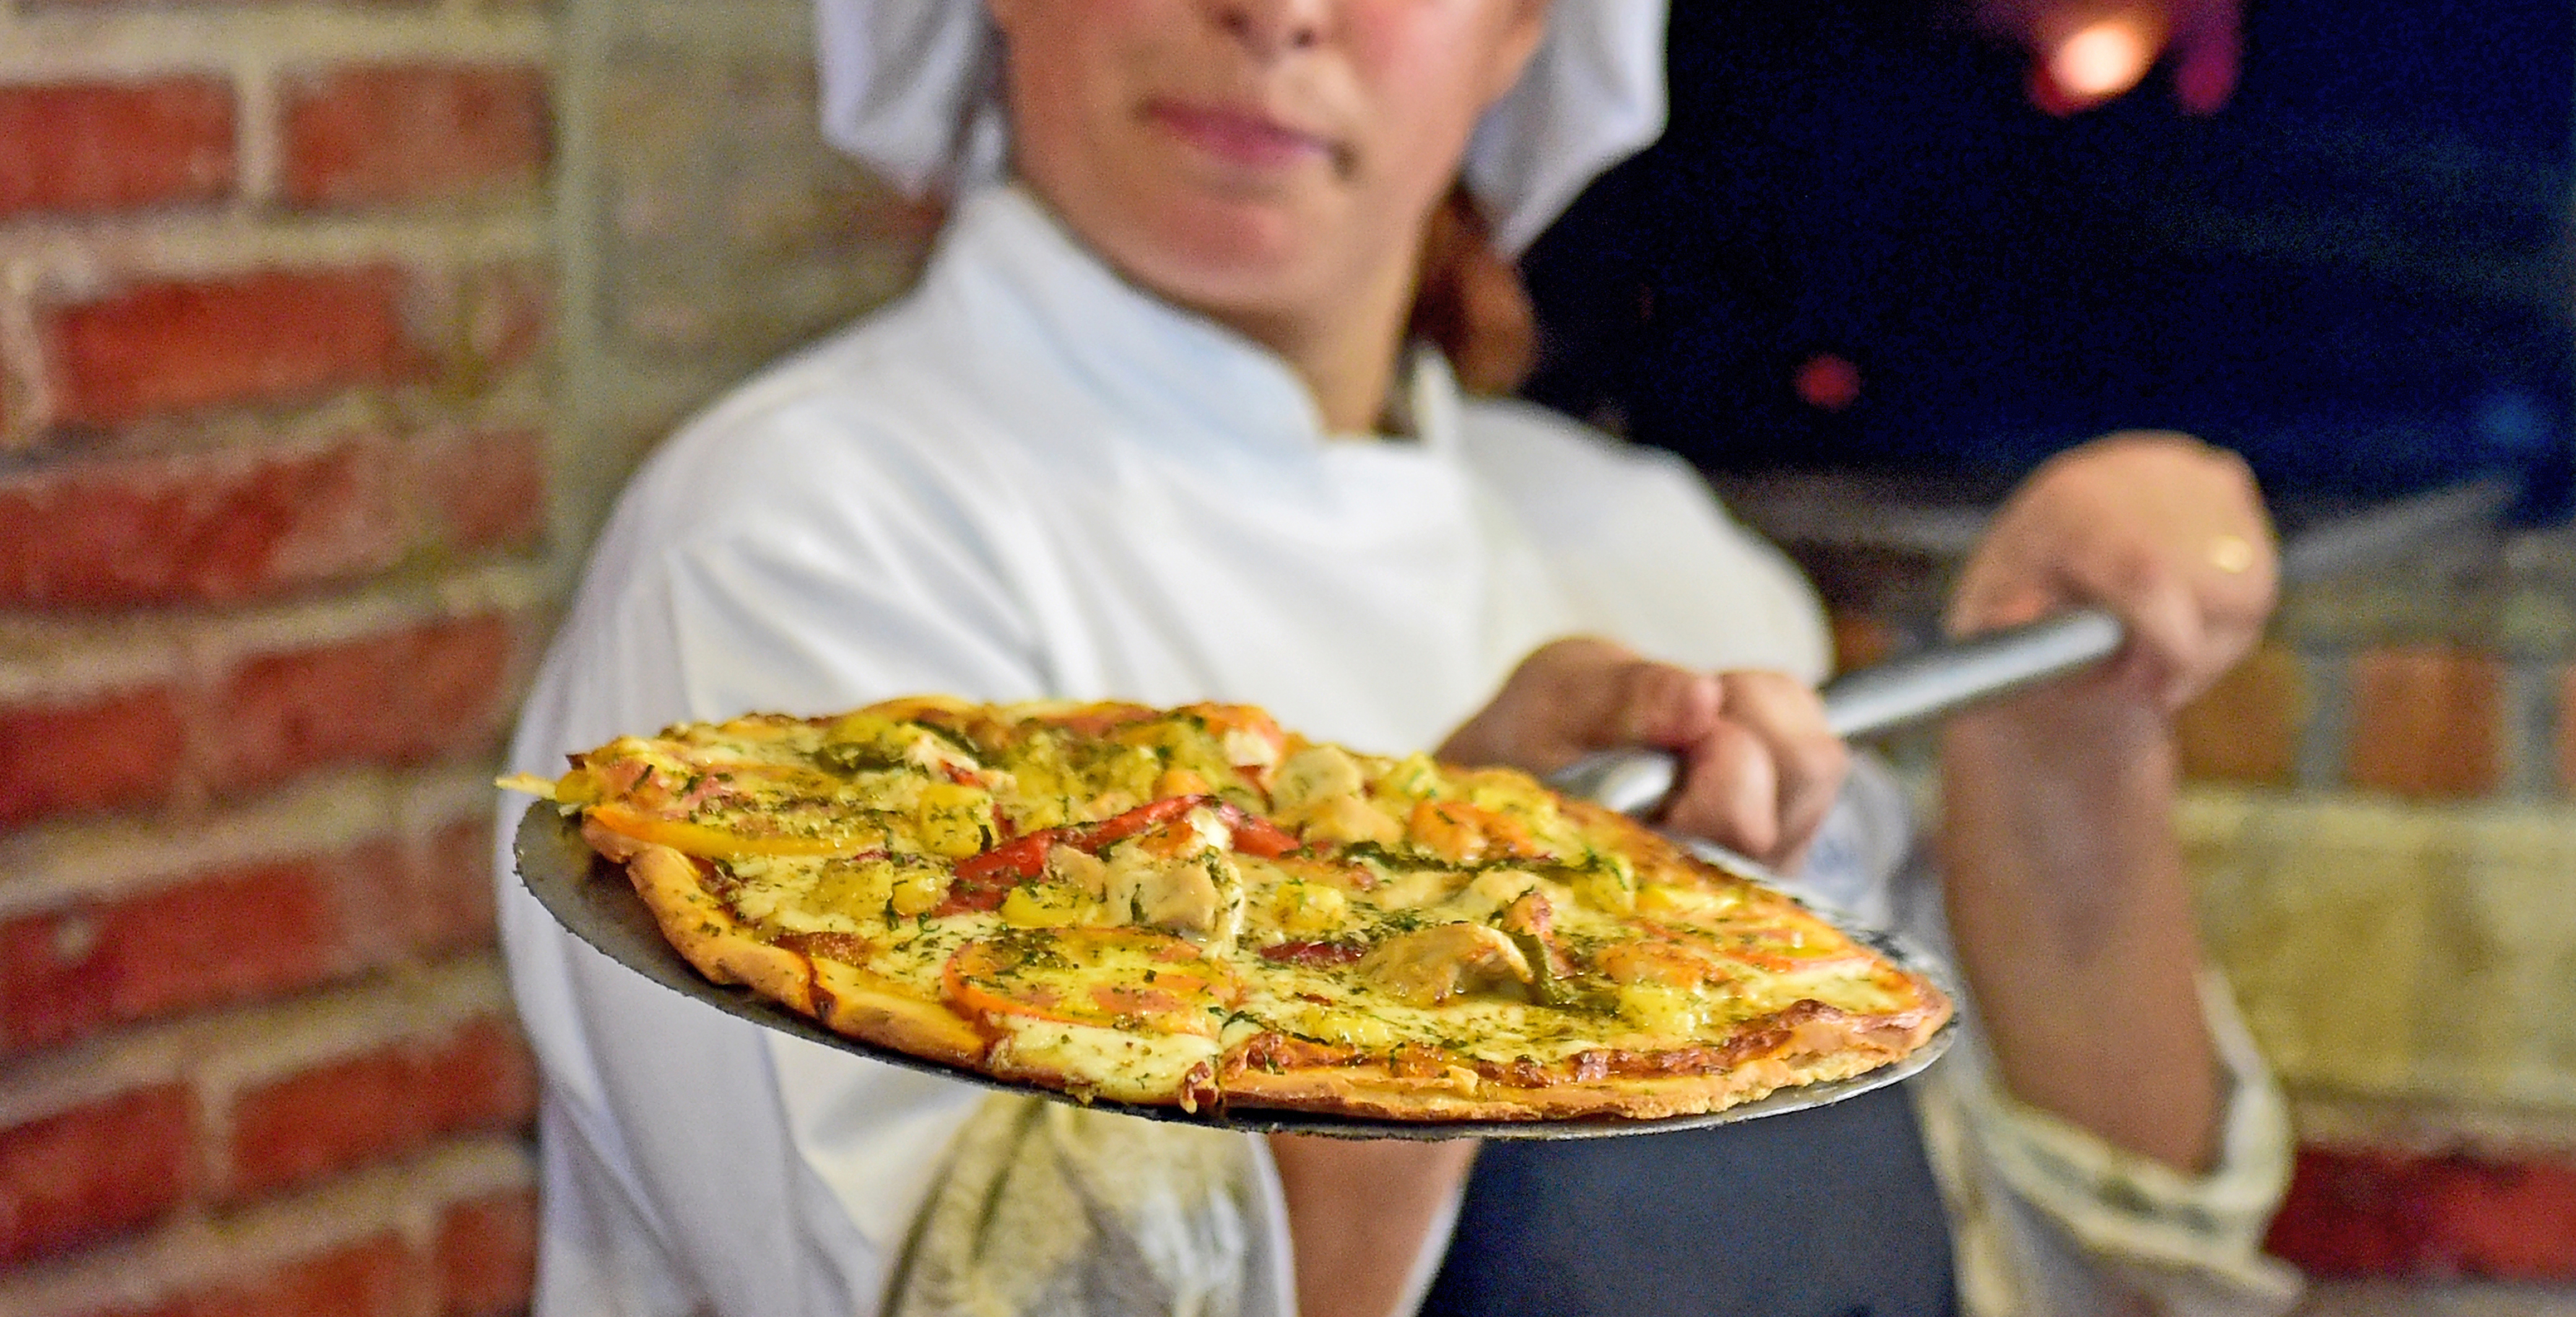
1862,245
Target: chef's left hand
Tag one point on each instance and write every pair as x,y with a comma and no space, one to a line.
2162,530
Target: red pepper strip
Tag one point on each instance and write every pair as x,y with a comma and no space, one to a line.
983,880
1255,835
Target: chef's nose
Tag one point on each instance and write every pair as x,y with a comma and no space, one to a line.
1270,28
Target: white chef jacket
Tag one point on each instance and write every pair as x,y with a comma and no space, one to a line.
1031,479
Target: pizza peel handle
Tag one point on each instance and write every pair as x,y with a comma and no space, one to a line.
1872,701
1956,675
593,901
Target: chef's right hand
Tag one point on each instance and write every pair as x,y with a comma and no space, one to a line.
1759,769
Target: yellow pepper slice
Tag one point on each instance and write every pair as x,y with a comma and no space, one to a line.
700,839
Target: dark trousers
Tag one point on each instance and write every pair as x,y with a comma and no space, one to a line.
1824,1213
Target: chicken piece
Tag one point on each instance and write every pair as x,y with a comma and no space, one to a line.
1322,793
1086,873
1432,965
1182,897
1347,820
1492,891
1315,774
1197,896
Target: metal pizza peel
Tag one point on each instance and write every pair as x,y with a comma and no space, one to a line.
592,898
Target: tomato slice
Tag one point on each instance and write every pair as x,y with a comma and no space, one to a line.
1115,978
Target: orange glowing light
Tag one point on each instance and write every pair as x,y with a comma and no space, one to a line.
2101,60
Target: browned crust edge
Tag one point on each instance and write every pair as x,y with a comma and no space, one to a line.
1375,1091
1819,1049
851,1001
844,998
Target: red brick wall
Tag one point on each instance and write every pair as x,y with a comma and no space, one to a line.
275,406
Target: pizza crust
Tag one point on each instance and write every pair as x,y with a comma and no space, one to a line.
1816,1045
844,997
1161,1070
854,1002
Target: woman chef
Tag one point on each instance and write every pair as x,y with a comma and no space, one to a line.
1149,429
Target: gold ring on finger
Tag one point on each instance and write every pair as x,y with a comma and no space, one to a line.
2232,554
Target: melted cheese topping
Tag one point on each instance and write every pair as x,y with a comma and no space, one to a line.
1113,891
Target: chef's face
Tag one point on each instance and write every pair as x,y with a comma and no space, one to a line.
1254,157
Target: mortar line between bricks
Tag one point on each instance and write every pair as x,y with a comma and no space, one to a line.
73,259
512,400
83,44
2326,740
256,149
387,1009
581,352
2530,731
23,375
199,643
194,1252
52,866
387,607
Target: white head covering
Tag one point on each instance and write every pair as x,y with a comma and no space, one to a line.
909,86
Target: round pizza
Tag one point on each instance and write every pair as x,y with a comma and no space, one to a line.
1193,907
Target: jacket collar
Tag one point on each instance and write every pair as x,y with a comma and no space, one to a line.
1036,298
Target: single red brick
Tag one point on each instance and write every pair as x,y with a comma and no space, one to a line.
275,336
229,936
327,1119
122,748
2369,1213
2352,1214
486,1259
413,132
208,527
2246,728
89,147
2512,1221
2427,721
2567,731
487,490
69,1179
377,1106
370,1278
447,893
400,698
482,1077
